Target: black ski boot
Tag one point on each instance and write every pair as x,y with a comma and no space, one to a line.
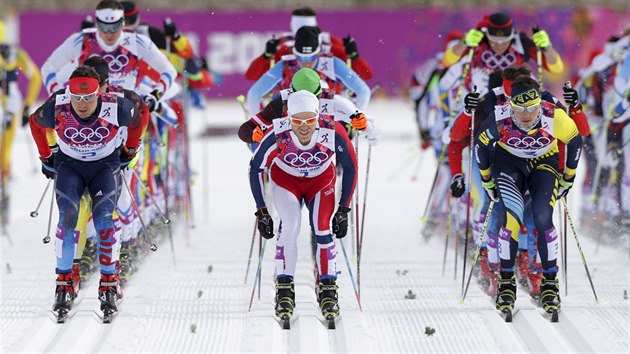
127,266
285,300
87,263
506,294
108,292
64,296
550,296
327,298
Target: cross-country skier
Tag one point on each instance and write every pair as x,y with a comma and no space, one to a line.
97,134
307,54
525,135
301,155
276,48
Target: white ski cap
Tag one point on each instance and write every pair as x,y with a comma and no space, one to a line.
298,22
302,101
110,15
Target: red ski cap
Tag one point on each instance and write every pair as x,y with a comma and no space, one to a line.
83,85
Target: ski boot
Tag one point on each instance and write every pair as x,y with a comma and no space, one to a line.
64,296
285,300
506,295
550,295
487,278
126,262
108,293
327,298
87,263
76,277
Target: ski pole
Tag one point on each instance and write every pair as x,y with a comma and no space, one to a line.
135,208
577,242
356,292
469,204
35,212
256,279
448,235
405,163
477,249
241,101
251,251
52,200
539,62
356,216
165,120
165,220
365,195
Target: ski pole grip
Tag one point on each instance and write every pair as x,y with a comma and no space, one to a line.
567,84
535,29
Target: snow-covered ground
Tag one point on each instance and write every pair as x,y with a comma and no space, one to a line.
190,307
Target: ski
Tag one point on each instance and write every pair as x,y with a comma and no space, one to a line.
330,322
62,315
285,321
552,314
108,315
507,314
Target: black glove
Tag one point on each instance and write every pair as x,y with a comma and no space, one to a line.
265,223
25,116
152,99
491,189
457,185
48,166
471,101
170,30
271,47
340,222
564,185
570,97
126,156
351,47
88,22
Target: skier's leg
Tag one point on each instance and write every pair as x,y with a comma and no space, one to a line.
289,210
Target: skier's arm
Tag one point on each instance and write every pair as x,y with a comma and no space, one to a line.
139,120
484,140
551,60
353,82
261,159
263,119
263,86
346,157
567,132
41,122
66,52
150,53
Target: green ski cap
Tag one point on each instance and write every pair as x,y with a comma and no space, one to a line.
307,79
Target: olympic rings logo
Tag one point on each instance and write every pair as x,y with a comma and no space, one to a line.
305,159
528,142
116,63
86,135
497,61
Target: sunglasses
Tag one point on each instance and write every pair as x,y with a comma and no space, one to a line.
109,27
521,109
308,121
500,39
87,97
307,59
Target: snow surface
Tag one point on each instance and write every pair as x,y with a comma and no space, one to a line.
164,302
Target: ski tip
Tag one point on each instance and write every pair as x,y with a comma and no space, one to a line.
507,315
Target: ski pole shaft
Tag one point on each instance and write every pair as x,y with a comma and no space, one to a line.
35,212
251,251
539,61
258,271
138,214
354,286
577,242
469,204
448,234
356,216
165,220
365,195
477,249
165,120
50,212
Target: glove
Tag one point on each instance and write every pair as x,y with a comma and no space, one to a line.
619,54
126,156
88,22
152,99
359,121
351,47
372,137
491,189
25,116
564,186
457,185
570,97
265,223
257,134
271,47
473,38
471,101
425,139
340,222
48,166
170,30
541,40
